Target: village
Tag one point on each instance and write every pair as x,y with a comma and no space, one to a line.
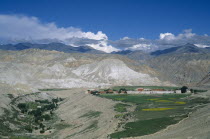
142,90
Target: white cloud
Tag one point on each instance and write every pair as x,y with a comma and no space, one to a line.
166,40
202,45
140,47
23,27
17,28
141,38
103,46
187,34
125,38
167,36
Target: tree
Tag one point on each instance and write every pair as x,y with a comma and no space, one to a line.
42,131
184,89
41,125
55,100
123,90
29,129
22,106
46,117
94,92
191,90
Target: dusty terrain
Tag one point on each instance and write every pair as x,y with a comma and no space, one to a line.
73,109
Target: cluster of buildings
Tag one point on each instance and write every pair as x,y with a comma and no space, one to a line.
155,91
108,91
136,91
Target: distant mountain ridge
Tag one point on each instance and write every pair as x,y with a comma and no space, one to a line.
123,52
187,48
137,54
51,46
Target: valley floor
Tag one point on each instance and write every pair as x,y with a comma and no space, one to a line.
93,117
197,125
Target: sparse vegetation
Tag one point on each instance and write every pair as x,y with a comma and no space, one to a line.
28,116
53,89
91,114
93,126
60,126
120,107
19,137
119,115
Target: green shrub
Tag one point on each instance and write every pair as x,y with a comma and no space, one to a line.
120,107
22,106
91,114
46,117
42,131
29,129
42,101
118,116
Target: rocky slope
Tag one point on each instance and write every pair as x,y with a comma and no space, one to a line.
205,81
182,65
32,69
182,68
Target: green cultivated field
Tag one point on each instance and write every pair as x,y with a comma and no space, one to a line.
152,112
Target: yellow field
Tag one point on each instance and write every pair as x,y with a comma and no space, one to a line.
180,102
154,99
163,101
157,109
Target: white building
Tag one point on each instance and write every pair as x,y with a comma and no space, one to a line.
178,91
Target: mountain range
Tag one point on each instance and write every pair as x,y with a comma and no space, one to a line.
51,46
187,48
36,66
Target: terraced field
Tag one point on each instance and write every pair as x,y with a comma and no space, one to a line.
152,112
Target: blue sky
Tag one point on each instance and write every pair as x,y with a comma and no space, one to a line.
118,18
107,25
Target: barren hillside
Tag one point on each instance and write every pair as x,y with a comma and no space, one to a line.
33,69
185,68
